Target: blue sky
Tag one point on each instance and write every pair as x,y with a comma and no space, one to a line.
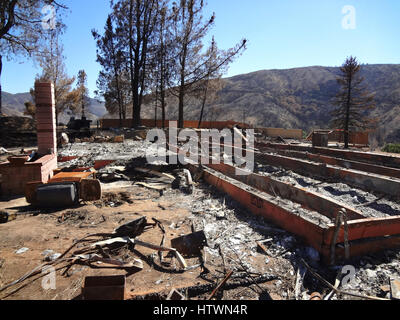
282,34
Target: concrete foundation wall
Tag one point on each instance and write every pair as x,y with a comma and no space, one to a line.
283,133
359,138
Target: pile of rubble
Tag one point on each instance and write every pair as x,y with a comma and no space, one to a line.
89,152
100,139
230,229
236,254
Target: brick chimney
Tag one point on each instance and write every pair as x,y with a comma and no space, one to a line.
45,118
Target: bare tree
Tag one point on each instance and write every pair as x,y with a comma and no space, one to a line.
353,100
207,90
192,65
51,59
163,63
115,92
21,28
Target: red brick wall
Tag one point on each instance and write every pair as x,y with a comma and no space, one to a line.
16,177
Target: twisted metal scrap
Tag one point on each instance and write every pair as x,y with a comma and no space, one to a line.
341,218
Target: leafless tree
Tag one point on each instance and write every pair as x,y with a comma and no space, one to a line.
21,28
51,59
193,66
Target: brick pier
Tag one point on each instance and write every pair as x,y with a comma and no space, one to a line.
16,176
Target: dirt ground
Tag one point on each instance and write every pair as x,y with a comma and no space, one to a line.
232,233
58,230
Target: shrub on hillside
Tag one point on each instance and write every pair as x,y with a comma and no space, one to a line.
392,148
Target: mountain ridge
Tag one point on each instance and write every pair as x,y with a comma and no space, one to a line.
14,105
295,98
298,98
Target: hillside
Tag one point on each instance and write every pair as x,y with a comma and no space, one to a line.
293,98
13,105
298,98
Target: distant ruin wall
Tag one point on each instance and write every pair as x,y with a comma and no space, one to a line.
356,138
361,138
220,125
128,123
283,133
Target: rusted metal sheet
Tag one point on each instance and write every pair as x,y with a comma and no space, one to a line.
320,139
355,138
259,204
311,200
283,133
373,158
104,288
99,164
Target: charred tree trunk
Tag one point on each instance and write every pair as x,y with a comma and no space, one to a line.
203,106
1,92
347,121
155,109
181,106
163,109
